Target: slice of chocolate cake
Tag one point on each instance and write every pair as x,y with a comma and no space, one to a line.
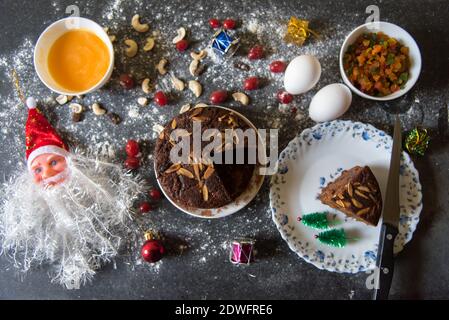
202,185
356,193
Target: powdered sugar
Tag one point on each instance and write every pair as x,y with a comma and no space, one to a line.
256,27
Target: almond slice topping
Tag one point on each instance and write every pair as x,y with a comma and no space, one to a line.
195,112
185,173
356,203
350,190
208,172
363,211
360,194
363,188
196,170
174,167
205,193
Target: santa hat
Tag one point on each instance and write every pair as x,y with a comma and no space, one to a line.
41,137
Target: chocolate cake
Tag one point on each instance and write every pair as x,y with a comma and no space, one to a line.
203,184
356,193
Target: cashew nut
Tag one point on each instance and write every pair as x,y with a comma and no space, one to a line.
97,109
112,38
158,128
195,87
198,56
200,105
193,67
177,83
181,33
146,85
184,108
149,45
131,50
61,99
76,107
241,97
161,66
137,25
142,101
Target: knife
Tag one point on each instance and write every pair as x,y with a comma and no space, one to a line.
390,221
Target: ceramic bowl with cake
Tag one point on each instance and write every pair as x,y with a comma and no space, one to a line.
340,169
207,187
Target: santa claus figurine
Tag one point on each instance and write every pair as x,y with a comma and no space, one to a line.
67,210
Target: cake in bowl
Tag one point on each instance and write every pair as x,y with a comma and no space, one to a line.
197,183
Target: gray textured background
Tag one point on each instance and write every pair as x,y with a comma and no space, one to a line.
202,270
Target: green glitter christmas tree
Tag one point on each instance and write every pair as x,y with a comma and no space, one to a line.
316,220
334,237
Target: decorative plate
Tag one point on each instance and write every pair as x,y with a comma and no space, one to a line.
316,157
240,202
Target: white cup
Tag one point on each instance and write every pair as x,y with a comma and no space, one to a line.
51,34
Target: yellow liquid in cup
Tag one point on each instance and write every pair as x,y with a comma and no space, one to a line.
78,60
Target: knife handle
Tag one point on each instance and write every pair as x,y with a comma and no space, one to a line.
385,261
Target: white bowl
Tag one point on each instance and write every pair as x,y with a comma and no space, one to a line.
51,34
241,201
399,34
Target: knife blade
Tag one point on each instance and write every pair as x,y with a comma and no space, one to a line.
390,221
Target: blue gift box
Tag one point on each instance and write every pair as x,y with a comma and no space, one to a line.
223,44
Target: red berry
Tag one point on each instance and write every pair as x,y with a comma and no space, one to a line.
229,24
152,251
145,207
132,148
182,45
284,97
160,98
214,23
251,83
218,96
155,194
277,66
126,81
255,53
132,163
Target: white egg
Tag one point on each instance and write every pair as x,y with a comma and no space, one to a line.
302,74
330,102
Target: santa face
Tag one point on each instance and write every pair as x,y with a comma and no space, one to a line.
48,169
76,226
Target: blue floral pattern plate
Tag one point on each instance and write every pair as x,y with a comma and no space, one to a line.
316,157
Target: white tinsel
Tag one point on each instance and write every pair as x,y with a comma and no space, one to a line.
76,226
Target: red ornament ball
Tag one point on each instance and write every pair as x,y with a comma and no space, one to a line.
160,98
132,163
132,148
218,96
152,251
256,52
284,97
277,66
251,83
126,81
182,45
145,207
155,194
229,24
214,23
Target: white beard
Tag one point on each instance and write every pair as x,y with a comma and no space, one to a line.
76,226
